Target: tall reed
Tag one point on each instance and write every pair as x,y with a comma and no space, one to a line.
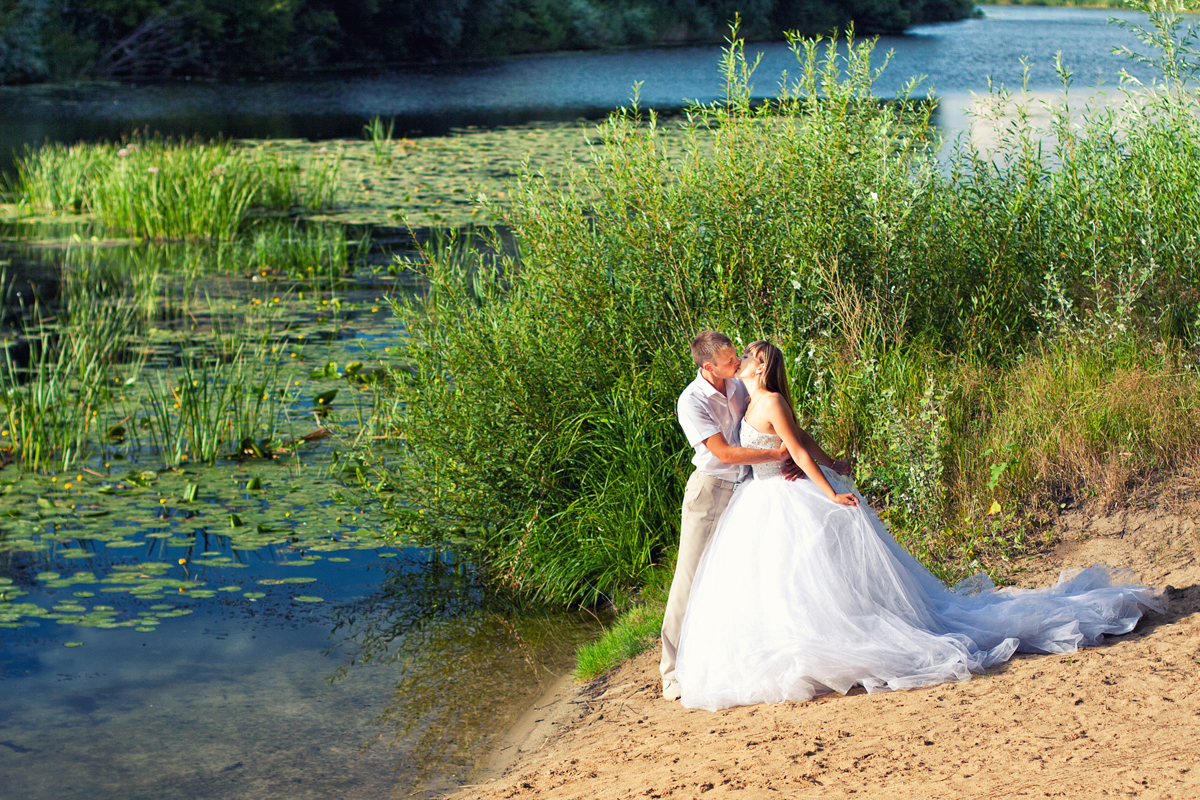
171,189
380,137
217,405
59,405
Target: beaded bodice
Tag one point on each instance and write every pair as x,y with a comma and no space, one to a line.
754,438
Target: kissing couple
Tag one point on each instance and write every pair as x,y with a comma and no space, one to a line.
788,585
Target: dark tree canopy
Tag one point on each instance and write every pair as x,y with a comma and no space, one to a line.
47,40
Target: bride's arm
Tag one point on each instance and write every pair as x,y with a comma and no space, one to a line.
791,471
781,419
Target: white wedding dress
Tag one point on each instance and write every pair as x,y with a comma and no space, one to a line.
796,596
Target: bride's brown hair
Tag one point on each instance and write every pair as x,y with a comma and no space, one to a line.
774,378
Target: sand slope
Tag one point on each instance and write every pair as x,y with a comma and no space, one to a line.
1121,719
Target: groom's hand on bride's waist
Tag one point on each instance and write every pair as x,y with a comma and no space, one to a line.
792,471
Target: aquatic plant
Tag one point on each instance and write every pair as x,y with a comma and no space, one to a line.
217,404
380,137
161,188
59,403
311,252
104,376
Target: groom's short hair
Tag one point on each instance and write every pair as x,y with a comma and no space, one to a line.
706,345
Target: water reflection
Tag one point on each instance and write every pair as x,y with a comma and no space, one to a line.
468,665
956,58
396,683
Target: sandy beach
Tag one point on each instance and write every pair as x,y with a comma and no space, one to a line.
1122,719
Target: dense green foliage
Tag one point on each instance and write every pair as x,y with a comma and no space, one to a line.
990,339
166,189
106,38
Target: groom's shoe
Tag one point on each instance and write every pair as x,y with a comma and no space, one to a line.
670,690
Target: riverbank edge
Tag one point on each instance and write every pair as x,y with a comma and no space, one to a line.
529,733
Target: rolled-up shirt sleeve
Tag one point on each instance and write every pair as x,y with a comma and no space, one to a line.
696,420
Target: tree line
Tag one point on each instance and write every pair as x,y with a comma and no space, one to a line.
44,40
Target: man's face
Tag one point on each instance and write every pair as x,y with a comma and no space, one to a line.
726,364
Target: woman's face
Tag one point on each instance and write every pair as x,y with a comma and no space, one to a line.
751,367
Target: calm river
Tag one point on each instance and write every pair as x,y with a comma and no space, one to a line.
166,654
956,58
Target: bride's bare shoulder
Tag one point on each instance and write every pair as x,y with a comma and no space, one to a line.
772,400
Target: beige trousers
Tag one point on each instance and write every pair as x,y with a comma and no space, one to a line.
704,501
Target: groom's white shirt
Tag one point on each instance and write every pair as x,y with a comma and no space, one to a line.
703,412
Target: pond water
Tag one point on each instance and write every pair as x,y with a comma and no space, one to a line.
957,58
245,629
256,697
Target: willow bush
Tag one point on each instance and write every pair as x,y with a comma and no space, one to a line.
917,305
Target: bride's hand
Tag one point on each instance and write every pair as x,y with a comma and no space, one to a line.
845,499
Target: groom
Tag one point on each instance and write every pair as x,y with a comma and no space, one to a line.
710,413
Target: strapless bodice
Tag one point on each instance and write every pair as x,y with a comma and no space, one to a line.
754,438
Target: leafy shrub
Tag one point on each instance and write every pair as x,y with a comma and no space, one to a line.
912,302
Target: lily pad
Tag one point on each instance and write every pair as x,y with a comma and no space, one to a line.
72,644
305,598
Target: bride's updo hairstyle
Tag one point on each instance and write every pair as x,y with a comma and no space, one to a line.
774,377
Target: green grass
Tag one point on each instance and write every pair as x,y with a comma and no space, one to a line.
636,629
168,189
315,253
634,632
218,403
380,137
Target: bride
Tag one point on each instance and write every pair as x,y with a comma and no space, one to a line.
802,591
